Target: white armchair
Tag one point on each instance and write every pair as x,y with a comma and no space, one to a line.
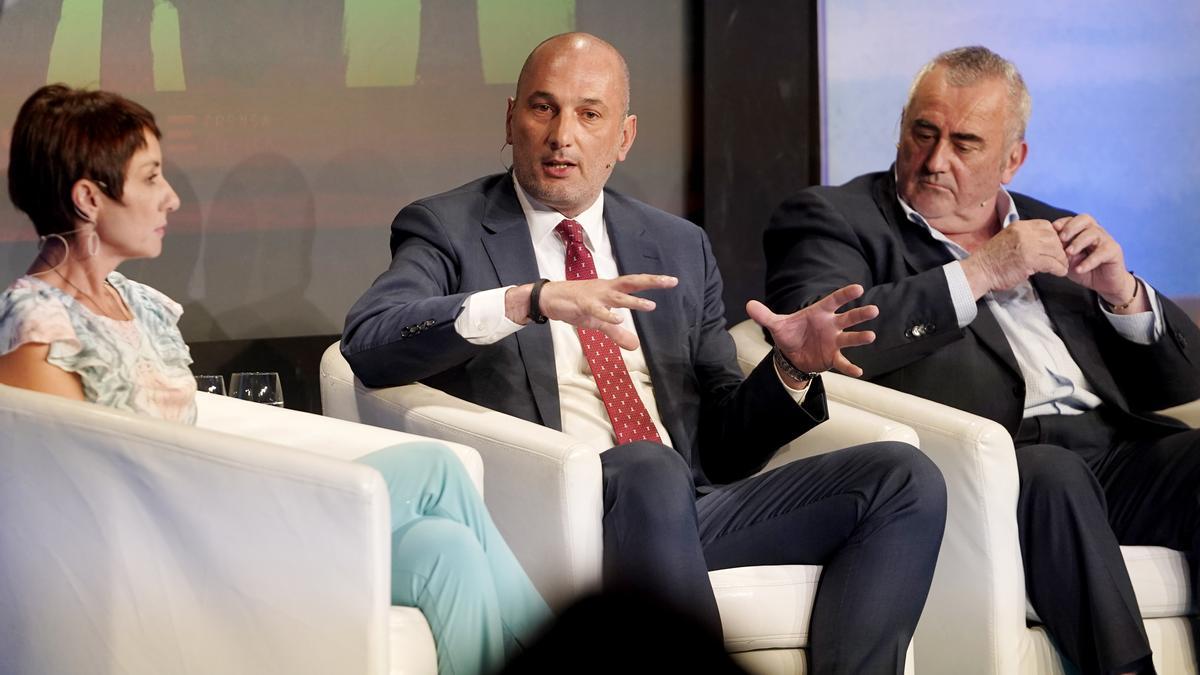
133,545
544,492
975,618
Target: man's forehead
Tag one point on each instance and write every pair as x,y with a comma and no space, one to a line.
940,103
577,79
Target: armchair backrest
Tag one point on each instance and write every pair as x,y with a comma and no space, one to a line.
977,600
133,545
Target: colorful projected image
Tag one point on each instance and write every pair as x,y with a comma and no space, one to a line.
294,130
380,39
228,78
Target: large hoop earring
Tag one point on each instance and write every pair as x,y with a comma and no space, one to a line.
41,249
93,246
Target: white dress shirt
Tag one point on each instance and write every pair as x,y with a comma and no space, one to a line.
483,321
1054,382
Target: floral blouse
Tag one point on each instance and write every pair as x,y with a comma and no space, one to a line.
139,365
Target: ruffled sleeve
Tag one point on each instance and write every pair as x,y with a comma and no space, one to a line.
30,315
139,365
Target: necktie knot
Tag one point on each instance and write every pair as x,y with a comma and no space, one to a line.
570,231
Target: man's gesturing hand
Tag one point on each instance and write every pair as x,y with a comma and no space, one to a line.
589,303
812,339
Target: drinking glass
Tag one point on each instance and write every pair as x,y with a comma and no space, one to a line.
213,384
257,387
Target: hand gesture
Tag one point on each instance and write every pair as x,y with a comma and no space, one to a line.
1016,253
812,338
1095,260
589,303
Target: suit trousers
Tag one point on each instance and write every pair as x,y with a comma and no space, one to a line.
872,515
1089,484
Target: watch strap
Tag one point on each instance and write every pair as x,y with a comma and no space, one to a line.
789,369
535,301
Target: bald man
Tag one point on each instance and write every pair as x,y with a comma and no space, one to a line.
540,294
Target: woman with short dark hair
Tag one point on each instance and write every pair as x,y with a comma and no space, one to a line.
86,166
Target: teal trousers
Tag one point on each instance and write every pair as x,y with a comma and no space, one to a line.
449,561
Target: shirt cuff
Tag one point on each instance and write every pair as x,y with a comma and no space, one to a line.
965,308
1143,328
796,394
482,320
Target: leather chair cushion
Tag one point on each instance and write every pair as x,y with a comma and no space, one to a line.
410,642
1161,581
766,607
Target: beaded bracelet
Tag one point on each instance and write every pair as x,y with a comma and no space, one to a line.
1124,306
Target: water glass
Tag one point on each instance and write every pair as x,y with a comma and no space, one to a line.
213,384
257,387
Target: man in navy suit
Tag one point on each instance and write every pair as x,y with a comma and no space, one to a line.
1006,307
515,292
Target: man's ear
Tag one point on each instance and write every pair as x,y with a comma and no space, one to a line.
508,120
1014,160
628,133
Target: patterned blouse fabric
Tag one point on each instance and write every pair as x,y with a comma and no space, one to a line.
139,365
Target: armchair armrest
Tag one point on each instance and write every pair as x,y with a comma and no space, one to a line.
847,426
976,603
543,488
303,431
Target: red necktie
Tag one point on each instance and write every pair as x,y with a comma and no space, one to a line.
626,411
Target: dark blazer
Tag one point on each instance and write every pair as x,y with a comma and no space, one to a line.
826,237
475,238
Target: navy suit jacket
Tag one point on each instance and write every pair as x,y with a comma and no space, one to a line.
475,238
827,237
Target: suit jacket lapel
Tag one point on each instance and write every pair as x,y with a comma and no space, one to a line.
922,252
637,251
506,240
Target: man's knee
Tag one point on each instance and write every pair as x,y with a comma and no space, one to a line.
646,476
1054,471
910,473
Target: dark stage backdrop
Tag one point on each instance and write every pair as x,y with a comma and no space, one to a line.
761,123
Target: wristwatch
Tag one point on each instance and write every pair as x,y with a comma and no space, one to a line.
535,302
789,369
